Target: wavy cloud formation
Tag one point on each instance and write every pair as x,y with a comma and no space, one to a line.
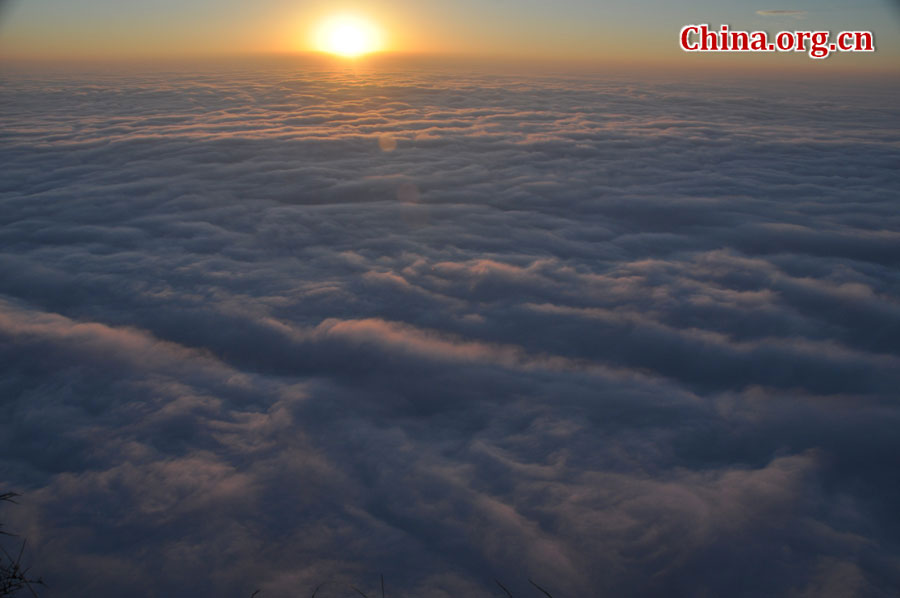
272,329
781,13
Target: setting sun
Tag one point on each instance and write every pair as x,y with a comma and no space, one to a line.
347,36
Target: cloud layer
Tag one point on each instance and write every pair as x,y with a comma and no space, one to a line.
781,13
270,329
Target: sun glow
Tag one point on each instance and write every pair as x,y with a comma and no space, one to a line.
347,35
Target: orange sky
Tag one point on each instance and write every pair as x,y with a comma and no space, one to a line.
642,31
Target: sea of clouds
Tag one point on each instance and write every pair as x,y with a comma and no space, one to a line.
276,328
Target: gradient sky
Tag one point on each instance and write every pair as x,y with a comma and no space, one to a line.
640,31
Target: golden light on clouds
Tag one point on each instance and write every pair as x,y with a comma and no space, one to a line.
347,35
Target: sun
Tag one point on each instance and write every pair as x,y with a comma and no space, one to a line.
347,35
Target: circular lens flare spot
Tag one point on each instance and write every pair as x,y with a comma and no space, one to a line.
387,143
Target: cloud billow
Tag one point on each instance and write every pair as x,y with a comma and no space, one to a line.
781,13
625,339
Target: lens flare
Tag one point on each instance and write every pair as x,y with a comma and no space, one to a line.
347,35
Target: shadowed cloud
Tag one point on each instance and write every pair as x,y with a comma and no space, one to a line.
272,329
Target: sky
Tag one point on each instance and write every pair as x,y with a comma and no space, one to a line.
642,31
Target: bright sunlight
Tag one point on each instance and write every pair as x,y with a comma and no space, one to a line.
347,36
